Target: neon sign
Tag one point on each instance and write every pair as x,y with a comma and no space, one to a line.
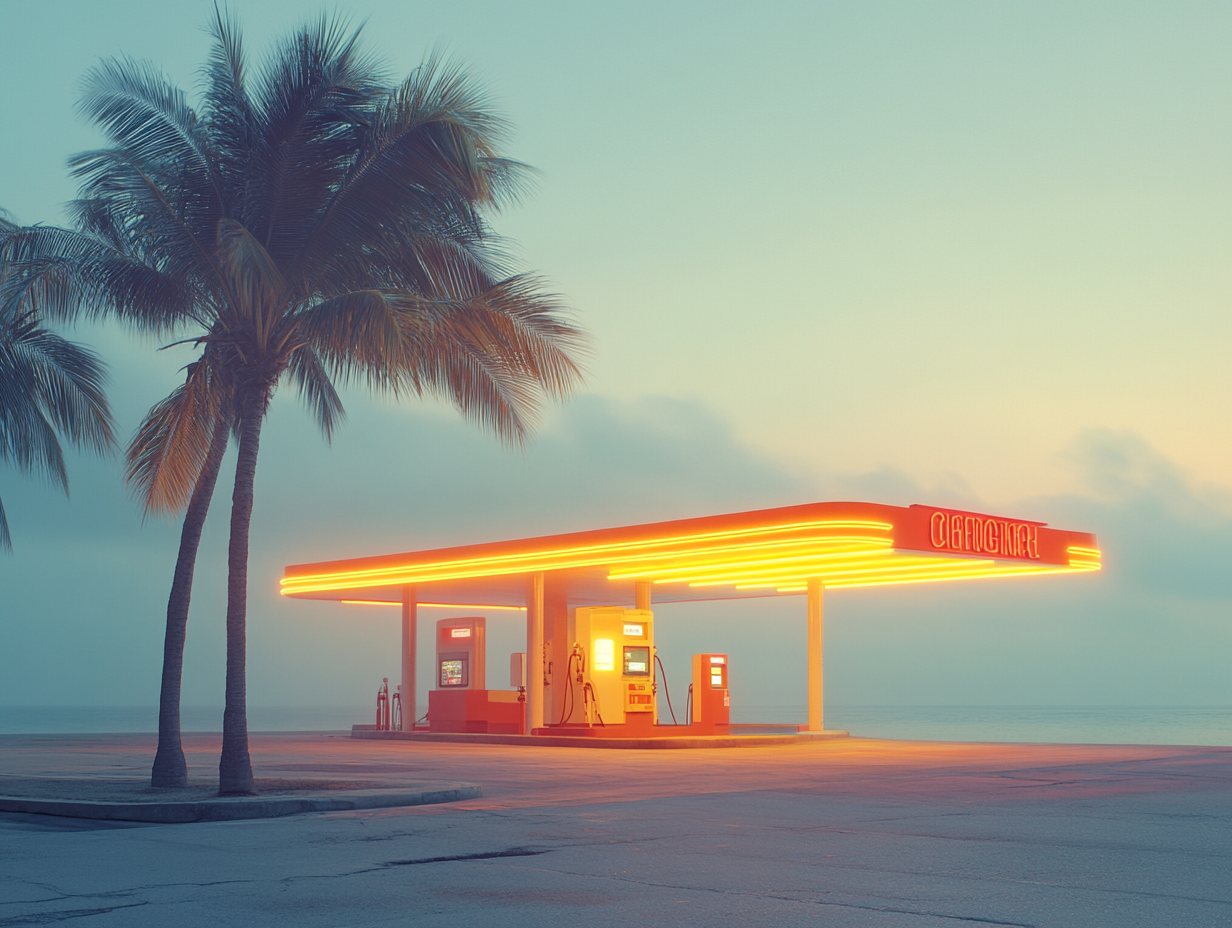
965,533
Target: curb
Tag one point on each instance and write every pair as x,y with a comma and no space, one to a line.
227,809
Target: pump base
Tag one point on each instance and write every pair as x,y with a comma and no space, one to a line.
496,712
635,726
558,738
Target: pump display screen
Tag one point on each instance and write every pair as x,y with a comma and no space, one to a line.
459,633
637,661
453,672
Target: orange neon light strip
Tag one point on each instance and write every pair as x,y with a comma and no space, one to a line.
386,602
935,578
518,559
559,559
801,566
1093,552
930,578
749,555
712,556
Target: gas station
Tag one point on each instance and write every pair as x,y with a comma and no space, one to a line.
593,668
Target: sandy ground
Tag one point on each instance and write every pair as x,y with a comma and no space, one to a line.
857,832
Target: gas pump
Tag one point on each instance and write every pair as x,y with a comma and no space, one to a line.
461,650
610,673
382,705
461,701
395,703
711,712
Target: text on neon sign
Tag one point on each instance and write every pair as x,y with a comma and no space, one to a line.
955,531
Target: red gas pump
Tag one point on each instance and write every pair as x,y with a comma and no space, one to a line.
711,713
382,705
395,704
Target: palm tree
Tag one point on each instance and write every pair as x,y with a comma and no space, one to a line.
49,387
316,226
179,449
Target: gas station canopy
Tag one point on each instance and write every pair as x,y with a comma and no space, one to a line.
766,552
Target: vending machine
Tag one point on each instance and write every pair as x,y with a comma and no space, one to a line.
611,670
711,713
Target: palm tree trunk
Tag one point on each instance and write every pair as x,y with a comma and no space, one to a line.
235,766
170,769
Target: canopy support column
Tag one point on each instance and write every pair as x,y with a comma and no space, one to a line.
815,701
641,595
410,629
534,653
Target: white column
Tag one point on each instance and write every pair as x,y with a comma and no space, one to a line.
641,595
534,653
815,702
410,627
641,600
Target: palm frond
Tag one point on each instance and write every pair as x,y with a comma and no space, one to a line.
149,118
253,279
165,457
354,333
425,161
6,540
48,384
312,102
228,112
312,381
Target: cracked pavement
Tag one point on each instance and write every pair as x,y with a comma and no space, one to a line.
858,833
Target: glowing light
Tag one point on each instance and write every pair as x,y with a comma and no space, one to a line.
697,567
775,551
596,555
605,654
1074,549
387,602
936,576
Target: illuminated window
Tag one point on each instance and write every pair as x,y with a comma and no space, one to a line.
605,654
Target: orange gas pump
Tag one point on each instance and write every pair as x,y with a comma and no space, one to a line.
382,705
711,713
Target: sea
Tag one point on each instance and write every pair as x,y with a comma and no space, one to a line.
1173,725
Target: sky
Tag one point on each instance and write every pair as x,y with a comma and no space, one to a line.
973,255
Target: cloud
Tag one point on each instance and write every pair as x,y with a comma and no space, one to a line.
1161,534
410,478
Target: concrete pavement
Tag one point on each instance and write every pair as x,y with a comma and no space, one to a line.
853,832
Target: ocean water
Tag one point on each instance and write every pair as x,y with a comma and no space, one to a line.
1038,724
1198,725
60,720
